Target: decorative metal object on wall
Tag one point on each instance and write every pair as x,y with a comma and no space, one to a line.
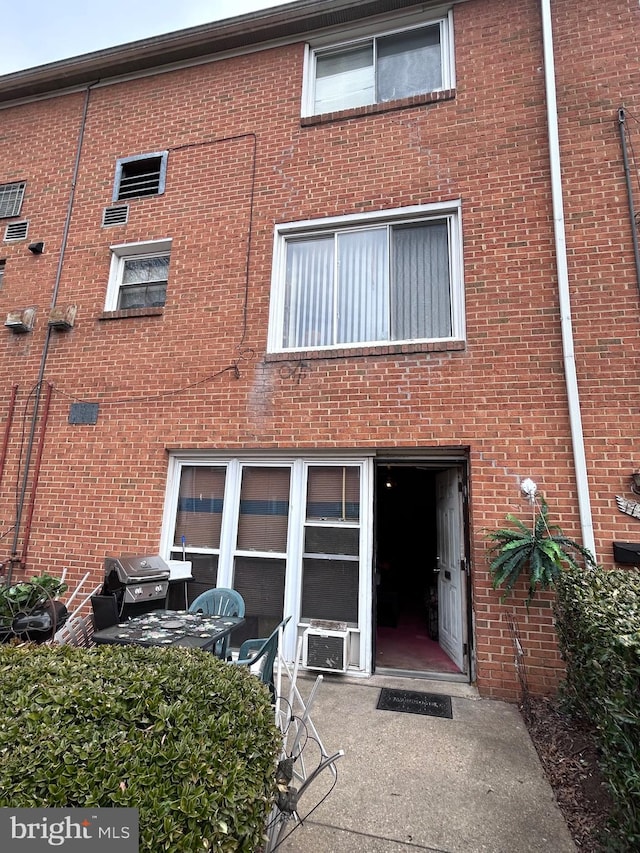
631,508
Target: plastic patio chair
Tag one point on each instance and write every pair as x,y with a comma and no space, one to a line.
219,602
260,656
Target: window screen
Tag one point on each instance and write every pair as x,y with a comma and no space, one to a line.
330,590
260,581
408,64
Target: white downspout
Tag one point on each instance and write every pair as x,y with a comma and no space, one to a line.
575,418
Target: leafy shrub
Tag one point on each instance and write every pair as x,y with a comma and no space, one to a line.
598,626
26,596
188,740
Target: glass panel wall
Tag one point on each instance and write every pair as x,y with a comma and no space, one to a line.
286,537
331,559
263,524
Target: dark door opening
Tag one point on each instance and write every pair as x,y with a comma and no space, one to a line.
407,572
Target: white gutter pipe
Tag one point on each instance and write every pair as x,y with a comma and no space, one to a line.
575,418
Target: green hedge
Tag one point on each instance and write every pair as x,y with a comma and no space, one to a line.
598,626
186,739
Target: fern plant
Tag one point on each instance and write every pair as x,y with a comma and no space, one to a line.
542,550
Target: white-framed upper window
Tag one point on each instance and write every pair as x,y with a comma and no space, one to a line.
139,275
138,176
380,278
11,196
383,67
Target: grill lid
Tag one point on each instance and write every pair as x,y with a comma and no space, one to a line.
129,569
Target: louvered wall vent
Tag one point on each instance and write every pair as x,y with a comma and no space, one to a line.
117,215
16,230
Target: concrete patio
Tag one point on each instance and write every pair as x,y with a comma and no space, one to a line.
410,782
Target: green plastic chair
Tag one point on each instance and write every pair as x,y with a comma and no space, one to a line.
260,655
219,602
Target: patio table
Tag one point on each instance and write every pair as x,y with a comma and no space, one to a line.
170,628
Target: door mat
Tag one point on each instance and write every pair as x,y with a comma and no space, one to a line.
412,702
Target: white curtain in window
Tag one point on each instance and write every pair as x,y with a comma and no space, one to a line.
309,296
408,64
344,79
363,286
420,298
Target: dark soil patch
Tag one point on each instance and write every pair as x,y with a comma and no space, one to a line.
569,756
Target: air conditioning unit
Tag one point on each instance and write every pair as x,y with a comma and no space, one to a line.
63,318
21,321
325,646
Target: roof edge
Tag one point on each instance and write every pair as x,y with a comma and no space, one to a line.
283,22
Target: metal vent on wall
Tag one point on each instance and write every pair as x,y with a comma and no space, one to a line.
141,177
16,231
118,215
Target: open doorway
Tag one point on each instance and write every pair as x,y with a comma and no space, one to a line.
420,592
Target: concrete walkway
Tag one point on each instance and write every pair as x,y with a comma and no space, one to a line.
410,782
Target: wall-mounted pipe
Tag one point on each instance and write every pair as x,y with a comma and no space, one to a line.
36,474
571,380
43,361
627,176
7,429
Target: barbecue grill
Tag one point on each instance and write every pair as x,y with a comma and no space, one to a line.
132,585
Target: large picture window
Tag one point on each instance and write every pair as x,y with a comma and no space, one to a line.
381,68
287,537
369,281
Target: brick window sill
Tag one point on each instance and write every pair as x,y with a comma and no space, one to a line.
374,109
124,313
372,352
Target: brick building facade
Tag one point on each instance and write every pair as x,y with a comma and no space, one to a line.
238,221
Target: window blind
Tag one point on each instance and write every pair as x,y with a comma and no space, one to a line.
264,509
200,504
333,493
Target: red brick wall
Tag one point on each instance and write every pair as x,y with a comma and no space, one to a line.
241,160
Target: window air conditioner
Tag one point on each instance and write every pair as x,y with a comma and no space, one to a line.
325,646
